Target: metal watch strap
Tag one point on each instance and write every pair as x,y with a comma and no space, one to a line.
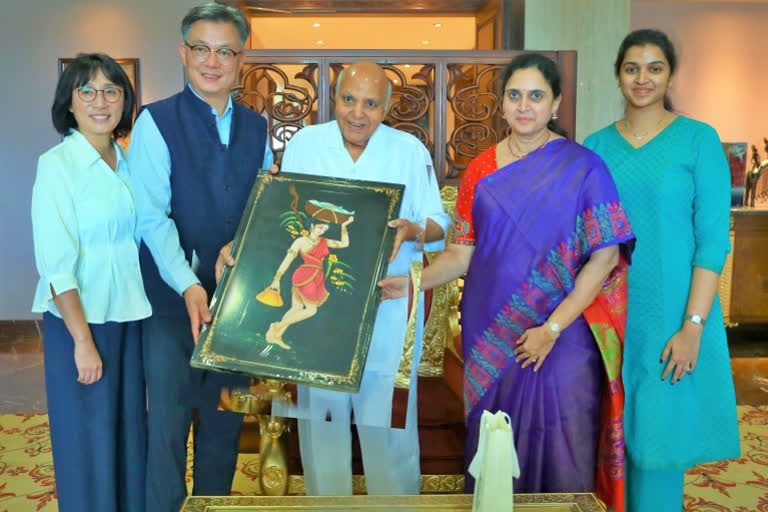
695,319
554,327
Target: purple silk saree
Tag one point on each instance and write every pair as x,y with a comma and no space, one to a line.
536,222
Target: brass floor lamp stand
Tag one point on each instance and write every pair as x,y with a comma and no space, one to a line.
257,401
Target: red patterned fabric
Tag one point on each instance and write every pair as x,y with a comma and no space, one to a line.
309,278
480,167
607,318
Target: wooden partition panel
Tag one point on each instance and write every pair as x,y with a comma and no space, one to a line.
450,100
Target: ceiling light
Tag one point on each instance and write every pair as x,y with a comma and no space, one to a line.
320,41
315,25
437,25
395,80
407,65
425,42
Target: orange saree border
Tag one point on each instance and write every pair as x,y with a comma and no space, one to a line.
607,318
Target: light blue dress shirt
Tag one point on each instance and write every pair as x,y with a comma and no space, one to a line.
151,181
84,230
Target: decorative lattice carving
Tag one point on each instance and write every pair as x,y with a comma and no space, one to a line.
287,102
475,104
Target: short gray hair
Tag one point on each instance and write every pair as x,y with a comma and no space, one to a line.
386,100
218,13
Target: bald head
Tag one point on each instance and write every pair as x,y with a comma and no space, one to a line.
368,71
362,97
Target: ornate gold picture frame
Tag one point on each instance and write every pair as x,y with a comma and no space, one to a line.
568,502
300,302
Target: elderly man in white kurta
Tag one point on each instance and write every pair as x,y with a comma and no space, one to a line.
357,146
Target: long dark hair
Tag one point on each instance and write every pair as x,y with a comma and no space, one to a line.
77,74
643,37
549,71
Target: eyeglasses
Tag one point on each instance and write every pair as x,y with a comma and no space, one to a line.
88,94
201,52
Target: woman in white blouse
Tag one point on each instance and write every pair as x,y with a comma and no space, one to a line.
91,293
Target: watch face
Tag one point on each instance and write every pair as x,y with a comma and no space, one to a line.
554,327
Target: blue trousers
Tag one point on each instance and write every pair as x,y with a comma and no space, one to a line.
172,387
98,431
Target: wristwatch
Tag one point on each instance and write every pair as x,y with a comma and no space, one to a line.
695,319
554,327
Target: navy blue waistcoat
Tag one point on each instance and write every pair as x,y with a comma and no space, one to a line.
210,183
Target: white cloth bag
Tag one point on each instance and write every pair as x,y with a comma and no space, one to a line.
494,464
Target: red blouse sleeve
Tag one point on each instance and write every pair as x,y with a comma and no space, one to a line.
480,167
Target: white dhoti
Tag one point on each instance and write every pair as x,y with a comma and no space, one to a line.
391,457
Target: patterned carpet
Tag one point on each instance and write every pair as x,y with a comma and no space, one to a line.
27,482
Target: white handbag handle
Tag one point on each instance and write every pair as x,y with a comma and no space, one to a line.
476,465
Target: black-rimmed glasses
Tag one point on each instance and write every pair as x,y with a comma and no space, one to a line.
111,94
201,52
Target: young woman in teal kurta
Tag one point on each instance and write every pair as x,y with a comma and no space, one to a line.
673,180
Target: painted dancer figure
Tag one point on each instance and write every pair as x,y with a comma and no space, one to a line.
308,290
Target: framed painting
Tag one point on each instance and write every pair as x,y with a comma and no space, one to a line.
300,302
736,153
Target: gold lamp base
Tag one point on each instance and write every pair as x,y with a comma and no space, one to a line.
273,471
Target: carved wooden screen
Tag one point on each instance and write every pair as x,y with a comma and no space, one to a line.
448,99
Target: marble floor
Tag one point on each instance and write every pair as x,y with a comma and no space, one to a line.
22,385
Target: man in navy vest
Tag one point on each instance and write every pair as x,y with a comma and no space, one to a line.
193,157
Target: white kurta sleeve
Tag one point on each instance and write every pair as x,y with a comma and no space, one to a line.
428,204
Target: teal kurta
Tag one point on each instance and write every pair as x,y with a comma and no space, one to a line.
676,192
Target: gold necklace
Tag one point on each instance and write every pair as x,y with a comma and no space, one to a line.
628,127
520,157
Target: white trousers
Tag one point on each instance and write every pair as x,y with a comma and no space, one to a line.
390,455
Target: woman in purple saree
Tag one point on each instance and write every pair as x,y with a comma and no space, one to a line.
538,232
533,232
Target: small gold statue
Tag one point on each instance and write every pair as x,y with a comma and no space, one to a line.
753,175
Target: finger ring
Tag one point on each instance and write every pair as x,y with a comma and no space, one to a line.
534,360
688,369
